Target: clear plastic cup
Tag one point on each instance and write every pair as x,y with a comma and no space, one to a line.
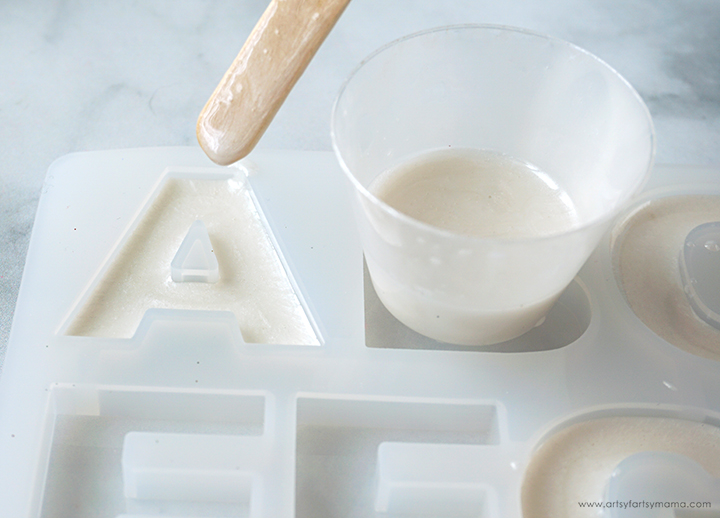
529,96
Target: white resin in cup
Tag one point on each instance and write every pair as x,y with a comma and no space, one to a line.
527,98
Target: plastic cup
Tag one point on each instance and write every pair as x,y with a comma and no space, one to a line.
508,90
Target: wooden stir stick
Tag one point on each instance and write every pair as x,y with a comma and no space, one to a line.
269,64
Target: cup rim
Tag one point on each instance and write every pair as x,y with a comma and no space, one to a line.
447,234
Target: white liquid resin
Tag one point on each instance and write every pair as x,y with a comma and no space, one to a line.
574,465
253,283
646,256
456,324
480,194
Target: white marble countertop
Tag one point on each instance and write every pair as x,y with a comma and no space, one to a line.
83,75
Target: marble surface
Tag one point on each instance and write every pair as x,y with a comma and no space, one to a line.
79,75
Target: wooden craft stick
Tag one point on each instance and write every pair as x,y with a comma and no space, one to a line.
273,58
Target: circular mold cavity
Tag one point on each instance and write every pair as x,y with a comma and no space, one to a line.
570,473
648,253
700,271
659,476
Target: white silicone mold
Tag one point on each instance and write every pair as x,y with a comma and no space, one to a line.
192,416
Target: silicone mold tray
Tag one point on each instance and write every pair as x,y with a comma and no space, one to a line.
202,410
